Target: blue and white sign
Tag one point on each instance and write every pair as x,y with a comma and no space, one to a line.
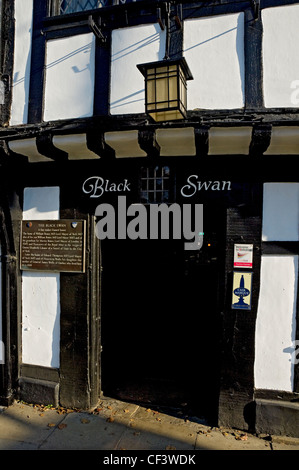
242,283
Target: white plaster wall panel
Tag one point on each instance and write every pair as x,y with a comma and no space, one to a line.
281,212
214,50
40,291
40,322
280,54
276,323
132,46
41,203
69,77
22,59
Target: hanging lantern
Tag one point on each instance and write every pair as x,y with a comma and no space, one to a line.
166,89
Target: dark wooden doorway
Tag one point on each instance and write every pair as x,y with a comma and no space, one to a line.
161,323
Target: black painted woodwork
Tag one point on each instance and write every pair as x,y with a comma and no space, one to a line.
35,108
6,59
10,215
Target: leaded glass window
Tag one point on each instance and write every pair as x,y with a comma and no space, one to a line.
155,184
64,7
74,6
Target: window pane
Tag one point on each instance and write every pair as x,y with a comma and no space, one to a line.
151,172
144,197
144,172
143,184
166,184
158,197
151,184
166,171
73,6
159,184
158,171
166,196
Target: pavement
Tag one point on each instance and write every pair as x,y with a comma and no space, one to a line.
119,426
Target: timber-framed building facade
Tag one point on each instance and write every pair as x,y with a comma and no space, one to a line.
215,327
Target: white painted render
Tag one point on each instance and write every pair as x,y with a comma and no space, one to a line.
276,317
276,323
281,212
214,50
22,61
40,291
69,77
41,203
132,46
280,56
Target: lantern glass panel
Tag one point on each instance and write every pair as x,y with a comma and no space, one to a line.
151,94
173,88
162,92
166,90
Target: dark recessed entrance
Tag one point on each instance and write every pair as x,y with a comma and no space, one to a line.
161,323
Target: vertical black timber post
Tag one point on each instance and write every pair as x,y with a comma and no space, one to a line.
236,403
102,76
10,216
175,33
8,211
36,88
94,315
7,49
253,61
79,346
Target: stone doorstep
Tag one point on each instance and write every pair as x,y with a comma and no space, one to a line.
38,391
279,419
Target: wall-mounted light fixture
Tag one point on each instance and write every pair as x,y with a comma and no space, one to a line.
166,88
166,80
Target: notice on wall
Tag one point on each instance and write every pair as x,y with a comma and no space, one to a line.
243,256
242,282
53,245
